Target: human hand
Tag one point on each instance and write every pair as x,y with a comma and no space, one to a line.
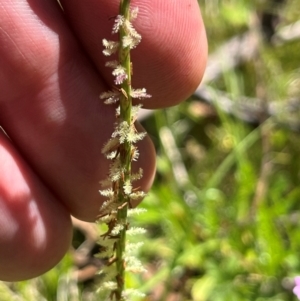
51,74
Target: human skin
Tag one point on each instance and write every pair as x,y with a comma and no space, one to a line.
51,74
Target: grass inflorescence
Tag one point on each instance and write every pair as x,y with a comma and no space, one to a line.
121,150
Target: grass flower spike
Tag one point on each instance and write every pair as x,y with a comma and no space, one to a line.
121,150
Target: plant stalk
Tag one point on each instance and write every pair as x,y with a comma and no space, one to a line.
125,150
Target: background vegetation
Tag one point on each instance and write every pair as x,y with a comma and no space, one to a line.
223,219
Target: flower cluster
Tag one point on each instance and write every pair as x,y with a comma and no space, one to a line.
121,150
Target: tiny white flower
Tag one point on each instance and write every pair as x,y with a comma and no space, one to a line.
136,211
130,30
119,70
107,192
110,97
133,136
108,285
111,155
120,73
122,131
111,47
138,195
134,111
108,206
135,230
115,171
120,79
127,187
130,42
134,265
112,64
137,176
133,13
130,248
117,229
139,93
119,22
135,155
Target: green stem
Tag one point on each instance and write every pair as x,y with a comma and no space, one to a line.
120,264
124,58
125,154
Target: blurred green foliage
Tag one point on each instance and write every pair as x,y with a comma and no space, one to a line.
223,215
